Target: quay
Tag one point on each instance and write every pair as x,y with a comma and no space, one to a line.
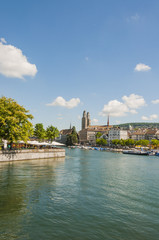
31,154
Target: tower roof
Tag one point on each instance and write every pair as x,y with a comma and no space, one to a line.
108,121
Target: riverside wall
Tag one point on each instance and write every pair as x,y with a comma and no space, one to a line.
31,154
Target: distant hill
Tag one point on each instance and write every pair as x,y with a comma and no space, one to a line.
139,125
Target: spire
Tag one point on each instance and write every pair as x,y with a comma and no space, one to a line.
70,126
88,119
108,121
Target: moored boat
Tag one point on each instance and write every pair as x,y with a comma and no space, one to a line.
135,152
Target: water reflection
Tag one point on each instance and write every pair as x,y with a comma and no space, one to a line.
89,195
23,181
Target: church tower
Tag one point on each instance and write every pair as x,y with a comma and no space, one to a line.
108,122
84,120
88,119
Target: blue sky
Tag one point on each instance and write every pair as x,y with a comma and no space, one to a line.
58,58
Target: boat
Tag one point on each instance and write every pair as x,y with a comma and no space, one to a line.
152,153
135,152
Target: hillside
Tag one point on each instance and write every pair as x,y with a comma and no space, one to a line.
139,125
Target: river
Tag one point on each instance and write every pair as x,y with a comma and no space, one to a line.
88,195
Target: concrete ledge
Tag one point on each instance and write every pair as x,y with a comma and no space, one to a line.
30,154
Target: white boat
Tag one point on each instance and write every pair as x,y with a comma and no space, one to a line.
135,152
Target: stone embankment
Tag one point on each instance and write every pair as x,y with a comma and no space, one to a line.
31,154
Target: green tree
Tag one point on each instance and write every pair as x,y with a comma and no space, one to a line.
129,142
72,138
39,131
143,142
52,133
98,135
155,143
14,121
116,142
101,141
69,141
122,142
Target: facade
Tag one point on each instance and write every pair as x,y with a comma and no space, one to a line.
116,133
157,134
138,135
88,133
87,136
142,134
151,134
63,135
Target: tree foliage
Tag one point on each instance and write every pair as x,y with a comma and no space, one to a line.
101,141
143,142
14,121
98,135
130,142
72,138
39,131
139,125
155,143
52,133
116,142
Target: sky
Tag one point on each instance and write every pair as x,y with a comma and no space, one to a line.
59,58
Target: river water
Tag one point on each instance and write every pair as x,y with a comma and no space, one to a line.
88,195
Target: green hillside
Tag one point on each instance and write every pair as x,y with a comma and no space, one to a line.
139,125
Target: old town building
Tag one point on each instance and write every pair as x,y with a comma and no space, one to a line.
87,135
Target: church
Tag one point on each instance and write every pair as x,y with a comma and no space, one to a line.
87,135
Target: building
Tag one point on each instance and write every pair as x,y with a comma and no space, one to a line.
142,134
151,134
87,135
138,134
117,133
157,134
63,135
86,121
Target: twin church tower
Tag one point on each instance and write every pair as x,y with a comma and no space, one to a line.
86,121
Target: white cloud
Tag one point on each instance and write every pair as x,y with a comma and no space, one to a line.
13,63
135,17
144,118
153,116
134,101
115,109
150,118
130,103
60,101
79,117
133,111
155,101
141,67
3,40
95,120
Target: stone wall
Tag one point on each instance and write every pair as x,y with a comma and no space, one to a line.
30,154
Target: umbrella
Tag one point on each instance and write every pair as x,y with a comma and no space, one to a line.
57,144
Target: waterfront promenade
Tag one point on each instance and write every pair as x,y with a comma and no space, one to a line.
31,154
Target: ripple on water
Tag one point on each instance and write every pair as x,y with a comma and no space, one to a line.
91,195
